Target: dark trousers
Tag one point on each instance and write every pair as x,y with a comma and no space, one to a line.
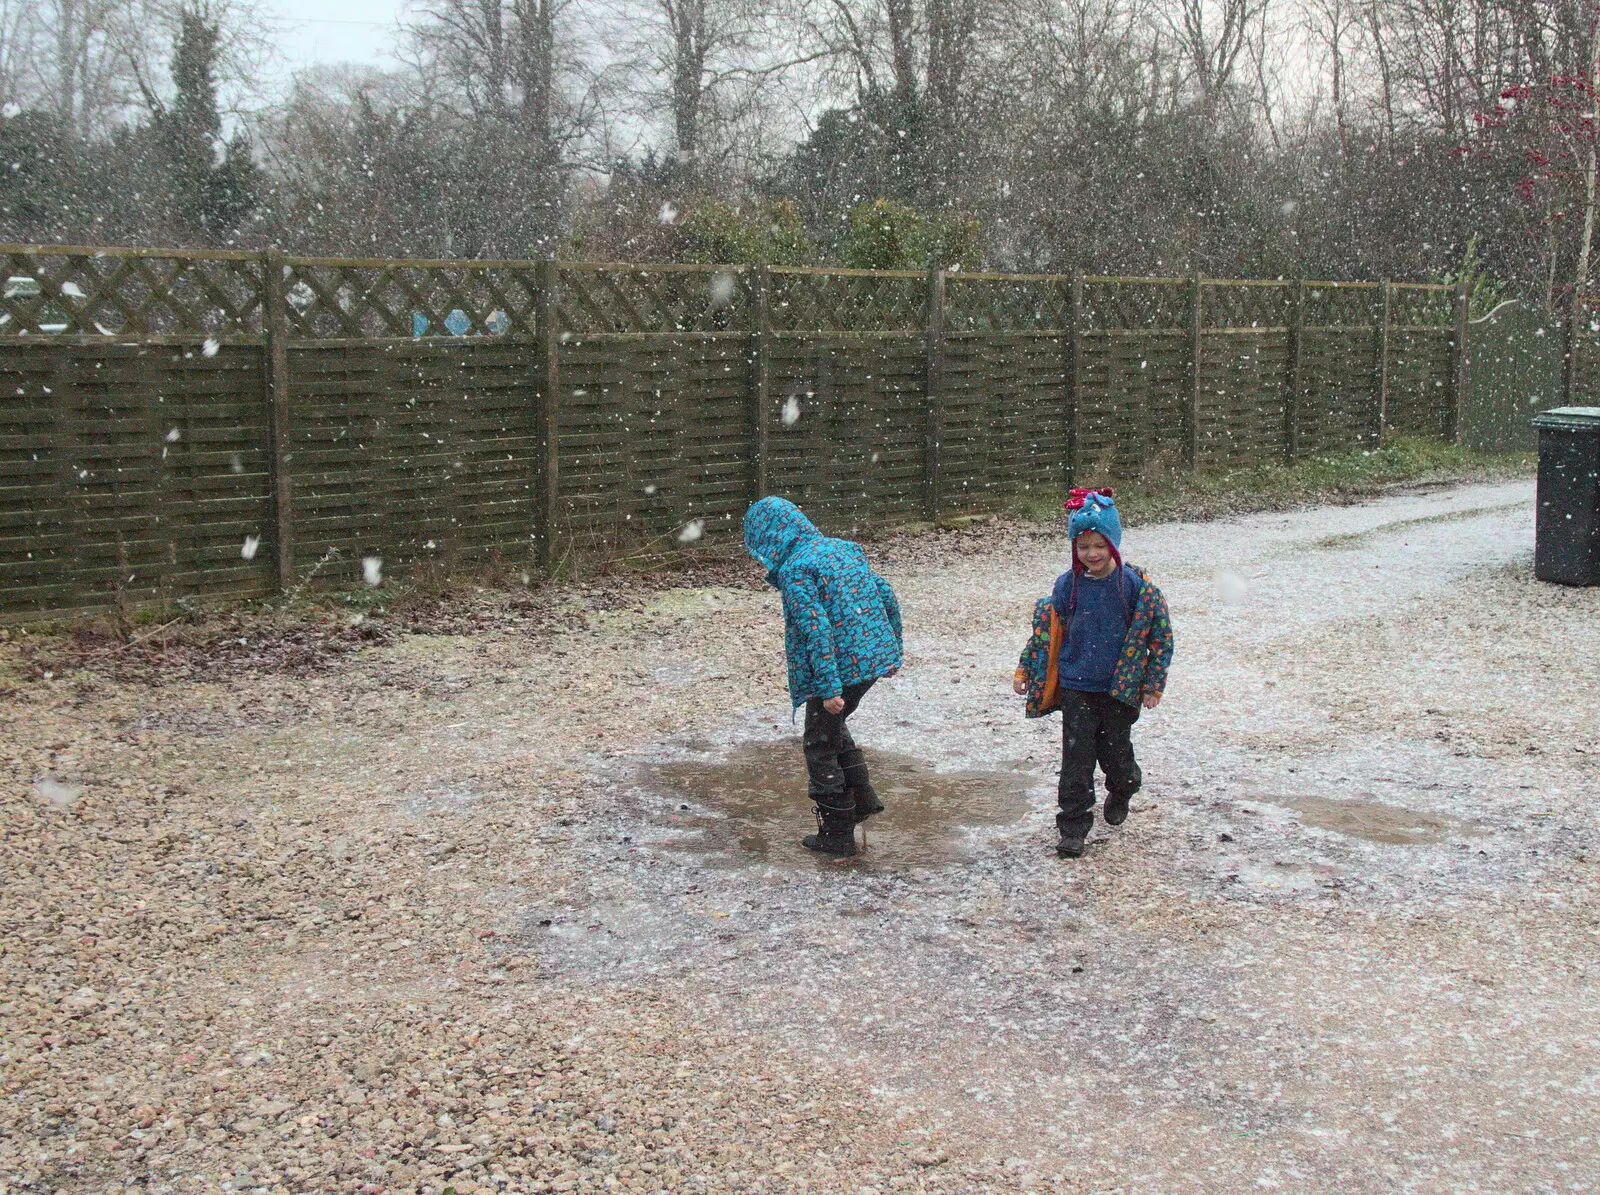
835,768
1095,728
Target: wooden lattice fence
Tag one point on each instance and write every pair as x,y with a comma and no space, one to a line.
177,423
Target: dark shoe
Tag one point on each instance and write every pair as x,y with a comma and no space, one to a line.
836,831
1069,848
1116,810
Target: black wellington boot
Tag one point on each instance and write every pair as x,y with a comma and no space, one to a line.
858,784
836,830
865,800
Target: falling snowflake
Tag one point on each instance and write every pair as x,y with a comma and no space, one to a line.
11,111
56,794
372,570
722,288
209,348
649,489
1231,587
251,543
431,545
668,213
235,464
692,530
791,411
174,436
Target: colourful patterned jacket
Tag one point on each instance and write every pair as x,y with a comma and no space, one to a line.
841,621
1141,669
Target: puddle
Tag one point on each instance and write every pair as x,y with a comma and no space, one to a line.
1363,817
750,807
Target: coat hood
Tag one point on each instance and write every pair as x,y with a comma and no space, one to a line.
773,528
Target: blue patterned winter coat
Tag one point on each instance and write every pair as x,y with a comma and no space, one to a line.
841,621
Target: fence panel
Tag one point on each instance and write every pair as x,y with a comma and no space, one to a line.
1003,427
1243,385
1130,420
1338,406
142,456
848,431
130,474
654,434
415,452
1420,397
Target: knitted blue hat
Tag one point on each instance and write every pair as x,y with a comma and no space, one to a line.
1094,510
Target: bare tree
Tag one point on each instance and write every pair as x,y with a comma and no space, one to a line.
1336,26
19,41
499,56
1213,35
910,64
83,77
710,71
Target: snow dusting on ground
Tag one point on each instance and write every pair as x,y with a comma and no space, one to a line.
508,913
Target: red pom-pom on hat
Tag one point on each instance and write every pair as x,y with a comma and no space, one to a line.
1076,498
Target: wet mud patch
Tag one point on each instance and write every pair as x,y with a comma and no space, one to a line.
1373,820
749,807
1353,539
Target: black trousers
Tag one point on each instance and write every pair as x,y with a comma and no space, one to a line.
1095,728
836,770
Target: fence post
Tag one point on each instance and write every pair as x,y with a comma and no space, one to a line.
935,391
276,327
1074,376
1380,360
760,379
1292,400
1191,397
1458,367
546,435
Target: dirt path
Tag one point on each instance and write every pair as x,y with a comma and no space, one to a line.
1346,942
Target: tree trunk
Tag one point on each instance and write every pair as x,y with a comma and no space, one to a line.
902,49
536,69
1580,275
1385,73
67,64
688,21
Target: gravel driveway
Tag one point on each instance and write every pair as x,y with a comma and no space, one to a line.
515,912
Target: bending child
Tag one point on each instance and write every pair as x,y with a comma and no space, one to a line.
841,634
1100,650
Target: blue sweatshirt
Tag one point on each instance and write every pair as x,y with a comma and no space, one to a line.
1097,616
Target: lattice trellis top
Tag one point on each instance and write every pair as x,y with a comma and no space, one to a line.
48,290
88,292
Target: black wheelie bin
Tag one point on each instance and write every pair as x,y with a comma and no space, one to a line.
1567,545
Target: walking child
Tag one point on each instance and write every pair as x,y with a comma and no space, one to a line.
1100,650
841,626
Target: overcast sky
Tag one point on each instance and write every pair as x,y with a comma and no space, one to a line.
323,31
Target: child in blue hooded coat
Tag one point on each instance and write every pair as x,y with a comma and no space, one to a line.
841,634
